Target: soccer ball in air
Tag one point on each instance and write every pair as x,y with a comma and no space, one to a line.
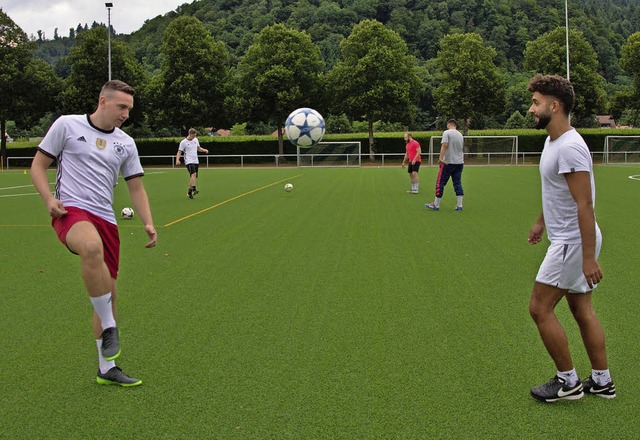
127,213
288,187
304,127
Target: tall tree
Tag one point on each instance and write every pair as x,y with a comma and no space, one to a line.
190,89
547,55
470,82
629,100
28,87
89,71
377,79
279,73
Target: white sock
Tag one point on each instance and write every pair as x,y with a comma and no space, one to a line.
102,306
570,377
103,364
436,202
459,200
601,377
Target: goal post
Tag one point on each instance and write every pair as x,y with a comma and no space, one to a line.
621,149
331,154
483,150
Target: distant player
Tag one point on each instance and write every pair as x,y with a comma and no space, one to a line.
570,268
451,161
190,146
91,151
412,155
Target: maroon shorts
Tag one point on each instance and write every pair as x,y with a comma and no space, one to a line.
107,231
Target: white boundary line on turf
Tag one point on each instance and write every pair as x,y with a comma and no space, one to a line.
18,195
7,188
635,177
17,187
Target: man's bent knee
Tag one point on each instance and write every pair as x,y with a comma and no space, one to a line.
84,240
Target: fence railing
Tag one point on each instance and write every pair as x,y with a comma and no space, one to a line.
382,159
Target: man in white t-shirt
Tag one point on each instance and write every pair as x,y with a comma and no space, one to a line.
190,146
570,268
451,164
91,151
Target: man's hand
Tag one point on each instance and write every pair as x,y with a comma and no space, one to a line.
55,208
535,234
153,235
592,272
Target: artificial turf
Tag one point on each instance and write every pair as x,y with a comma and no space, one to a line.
343,309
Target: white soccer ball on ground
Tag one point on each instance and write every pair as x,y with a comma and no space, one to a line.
288,187
127,213
304,127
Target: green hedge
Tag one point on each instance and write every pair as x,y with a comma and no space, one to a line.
528,141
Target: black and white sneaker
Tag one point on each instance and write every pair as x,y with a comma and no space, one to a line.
556,389
607,391
195,191
115,376
110,343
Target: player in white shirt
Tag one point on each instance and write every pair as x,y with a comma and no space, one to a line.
570,268
451,163
190,146
91,151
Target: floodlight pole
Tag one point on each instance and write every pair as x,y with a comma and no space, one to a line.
566,21
566,27
109,6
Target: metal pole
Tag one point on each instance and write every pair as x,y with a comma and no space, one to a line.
566,20
109,6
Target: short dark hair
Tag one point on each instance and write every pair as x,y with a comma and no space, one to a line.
556,86
117,86
453,121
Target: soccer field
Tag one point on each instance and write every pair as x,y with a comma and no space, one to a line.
341,310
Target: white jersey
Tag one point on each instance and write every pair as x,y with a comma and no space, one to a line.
190,150
89,160
455,148
567,154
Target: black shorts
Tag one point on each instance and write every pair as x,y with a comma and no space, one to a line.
192,168
413,168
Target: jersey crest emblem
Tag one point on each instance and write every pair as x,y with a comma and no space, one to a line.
119,149
101,143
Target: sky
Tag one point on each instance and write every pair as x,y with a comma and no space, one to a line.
46,15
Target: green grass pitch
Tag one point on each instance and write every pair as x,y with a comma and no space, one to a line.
341,310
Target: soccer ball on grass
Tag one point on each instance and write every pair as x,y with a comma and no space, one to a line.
304,127
127,213
288,187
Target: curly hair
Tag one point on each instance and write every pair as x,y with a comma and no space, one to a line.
556,86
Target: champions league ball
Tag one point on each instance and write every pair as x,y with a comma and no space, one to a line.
288,187
304,127
127,213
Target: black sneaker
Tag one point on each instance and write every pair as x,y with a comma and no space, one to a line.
607,391
195,191
115,376
190,194
556,390
110,343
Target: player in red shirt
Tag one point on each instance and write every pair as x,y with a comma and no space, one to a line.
412,155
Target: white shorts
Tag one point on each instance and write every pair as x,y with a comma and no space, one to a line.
562,267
